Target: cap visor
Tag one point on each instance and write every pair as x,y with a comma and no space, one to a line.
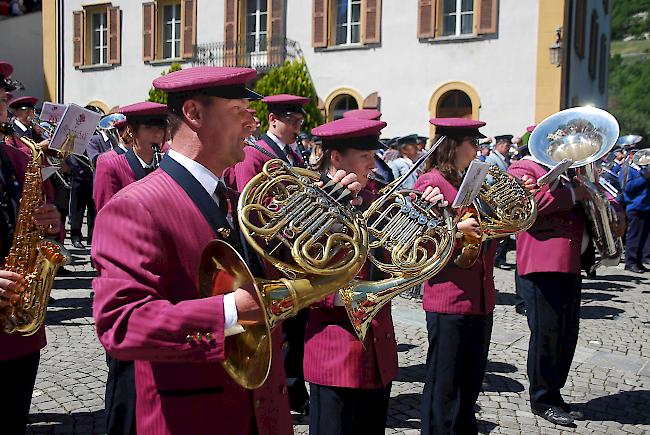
252,95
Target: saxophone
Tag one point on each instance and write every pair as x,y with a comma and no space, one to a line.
31,256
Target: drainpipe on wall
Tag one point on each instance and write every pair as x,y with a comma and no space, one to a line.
565,98
60,54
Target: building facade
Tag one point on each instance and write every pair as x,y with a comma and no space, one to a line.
508,62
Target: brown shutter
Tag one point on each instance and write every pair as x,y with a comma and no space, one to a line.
148,29
188,24
319,33
276,33
114,35
371,24
231,28
371,101
79,26
426,19
580,28
487,17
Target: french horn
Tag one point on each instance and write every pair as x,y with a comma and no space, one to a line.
305,231
585,135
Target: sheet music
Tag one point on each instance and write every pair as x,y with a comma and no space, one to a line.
554,172
471,184
52,112
75,129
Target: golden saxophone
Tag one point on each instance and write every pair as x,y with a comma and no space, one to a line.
31,255
307,233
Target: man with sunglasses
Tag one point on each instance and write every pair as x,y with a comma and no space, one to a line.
286,117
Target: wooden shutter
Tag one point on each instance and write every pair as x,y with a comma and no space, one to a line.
487,17
114,35
580,28
231,26
319,33
371,101
188,24
426,19
79,27
148,31
371,25
277,33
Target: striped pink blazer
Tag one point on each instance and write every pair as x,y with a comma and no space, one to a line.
112,174
454,290
147,246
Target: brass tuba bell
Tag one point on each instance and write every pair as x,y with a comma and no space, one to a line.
306,233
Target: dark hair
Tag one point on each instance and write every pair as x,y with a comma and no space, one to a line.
175,108
443,159
325,161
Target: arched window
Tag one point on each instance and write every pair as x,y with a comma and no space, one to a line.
341,104
454,104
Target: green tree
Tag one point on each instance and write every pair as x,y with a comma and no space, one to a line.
291,78
624,23
158,96
629,84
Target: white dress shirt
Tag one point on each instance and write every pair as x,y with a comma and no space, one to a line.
287,148
209,181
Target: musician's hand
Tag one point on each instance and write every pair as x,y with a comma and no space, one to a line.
44,144
470,227
48,218
432,195
248,308
349,181
10,285
530,183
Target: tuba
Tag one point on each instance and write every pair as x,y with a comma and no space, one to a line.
502,207
307,233
584,135
410,240
31,256
642,157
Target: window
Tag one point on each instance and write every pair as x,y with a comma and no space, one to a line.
340,105
457,17
602,66
172,31
98,39
96,36
348,22
168,30
454,104
256,26
345,23
593,45
580,28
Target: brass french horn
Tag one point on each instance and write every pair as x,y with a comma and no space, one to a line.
307,233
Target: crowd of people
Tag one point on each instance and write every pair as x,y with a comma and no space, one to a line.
164,181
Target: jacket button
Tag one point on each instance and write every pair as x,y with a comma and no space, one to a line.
284,390
285,345
189,338
209,336
388,335
258,403
375,339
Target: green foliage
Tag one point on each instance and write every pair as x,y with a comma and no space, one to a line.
291,78
624,23
629,86
158,96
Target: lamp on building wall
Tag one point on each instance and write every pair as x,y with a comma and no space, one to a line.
556,50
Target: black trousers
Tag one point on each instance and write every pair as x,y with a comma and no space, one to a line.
293,331
553,312
456,360
81,198
19,376
519,301
347,411
120,397
638,230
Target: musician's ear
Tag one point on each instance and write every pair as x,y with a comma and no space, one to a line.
193,113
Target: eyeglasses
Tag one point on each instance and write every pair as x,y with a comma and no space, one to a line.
294,119
472,140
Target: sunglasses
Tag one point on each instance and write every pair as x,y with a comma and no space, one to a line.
294,119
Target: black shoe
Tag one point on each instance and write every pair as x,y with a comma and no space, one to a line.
521,309
577,415
555,415
634,268
77,244
643,268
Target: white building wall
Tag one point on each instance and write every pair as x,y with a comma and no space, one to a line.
406,72
21,44
582,88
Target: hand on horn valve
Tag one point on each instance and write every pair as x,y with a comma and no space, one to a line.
530,184
433,196
351,187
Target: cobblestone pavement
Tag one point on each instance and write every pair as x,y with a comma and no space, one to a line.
609,381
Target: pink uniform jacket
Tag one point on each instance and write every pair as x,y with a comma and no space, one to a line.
454,290
147,246
14,345
112,174
238,176
553,243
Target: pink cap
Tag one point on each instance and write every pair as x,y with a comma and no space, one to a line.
530,128
350,133
144,109
363,114
218,81
23,102
6,69
286,99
